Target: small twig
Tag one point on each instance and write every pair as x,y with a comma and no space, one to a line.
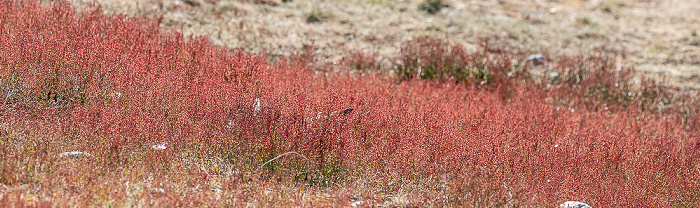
286,153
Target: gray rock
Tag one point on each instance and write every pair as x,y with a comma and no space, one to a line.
536,59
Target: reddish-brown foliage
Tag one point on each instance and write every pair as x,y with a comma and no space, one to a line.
595,82
113,86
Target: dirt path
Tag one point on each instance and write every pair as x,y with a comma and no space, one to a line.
660,37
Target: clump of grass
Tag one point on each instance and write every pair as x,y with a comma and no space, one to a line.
363,62
432,6
433,27
584,20
594,82
597,83
318,15
381,2
432,59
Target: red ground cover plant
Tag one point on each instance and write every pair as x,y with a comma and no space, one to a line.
595,82
114,86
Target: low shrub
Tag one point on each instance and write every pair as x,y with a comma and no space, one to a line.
360,61
432,6
432,59
594,82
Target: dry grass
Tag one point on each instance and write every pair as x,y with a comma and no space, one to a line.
658,37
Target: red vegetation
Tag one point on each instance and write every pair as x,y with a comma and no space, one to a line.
113,86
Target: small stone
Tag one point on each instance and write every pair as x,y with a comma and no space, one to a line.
536,59
574,204
230,124
553,10
159,146
554,75
356,204
256,107
75,155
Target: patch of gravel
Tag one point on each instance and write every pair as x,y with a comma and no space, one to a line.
659,37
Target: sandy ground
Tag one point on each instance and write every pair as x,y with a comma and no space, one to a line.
658,37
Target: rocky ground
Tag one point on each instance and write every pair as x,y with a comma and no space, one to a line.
659,37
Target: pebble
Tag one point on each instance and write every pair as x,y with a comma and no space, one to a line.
256,107
75,155
554,75
537,59
574,204
159,146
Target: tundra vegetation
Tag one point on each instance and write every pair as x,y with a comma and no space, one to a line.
109,110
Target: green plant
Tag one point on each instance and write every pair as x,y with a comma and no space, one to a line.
318,15
432,59
584,20
364,62
432,6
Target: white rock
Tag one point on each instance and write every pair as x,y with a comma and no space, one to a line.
159,146
574,204
75,155
554,75
230,124
537,59
355,204
256,107
553,10
534,57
